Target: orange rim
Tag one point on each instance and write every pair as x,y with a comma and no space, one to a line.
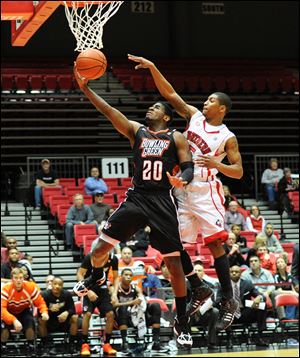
82,3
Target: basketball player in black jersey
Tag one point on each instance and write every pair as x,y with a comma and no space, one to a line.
157,152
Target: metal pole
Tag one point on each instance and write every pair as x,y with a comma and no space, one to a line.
49,248
26,242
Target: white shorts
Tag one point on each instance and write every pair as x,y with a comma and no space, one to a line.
201,209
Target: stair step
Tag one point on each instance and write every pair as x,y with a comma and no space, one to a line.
57,265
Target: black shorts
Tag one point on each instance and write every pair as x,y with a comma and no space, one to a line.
53,325
158,211
25,317
103,303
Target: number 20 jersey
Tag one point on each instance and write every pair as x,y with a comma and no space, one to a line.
155,153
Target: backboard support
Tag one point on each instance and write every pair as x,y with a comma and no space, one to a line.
26,18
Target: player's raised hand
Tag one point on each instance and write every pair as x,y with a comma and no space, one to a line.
82,82
143,62
177,182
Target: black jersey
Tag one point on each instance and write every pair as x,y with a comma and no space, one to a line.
155,153
127,295
100,273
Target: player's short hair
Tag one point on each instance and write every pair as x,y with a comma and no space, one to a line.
224,100
168,111
126,269
17,271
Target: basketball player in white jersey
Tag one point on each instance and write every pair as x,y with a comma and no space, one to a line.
201,202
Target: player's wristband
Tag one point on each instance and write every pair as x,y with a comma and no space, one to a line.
187,169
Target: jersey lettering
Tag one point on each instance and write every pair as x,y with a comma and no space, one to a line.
199,141
154,147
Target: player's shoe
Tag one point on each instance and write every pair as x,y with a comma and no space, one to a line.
108,349
181,329
199,295
85,350
226,313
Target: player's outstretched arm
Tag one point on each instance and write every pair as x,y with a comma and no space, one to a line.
118,120
165,88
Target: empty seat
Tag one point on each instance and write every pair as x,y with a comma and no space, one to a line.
87,242
81,230
206,84
65,83
22,83
233,84
247,84
137,83
178,83
220,84
260,84
67,182
7,83
36,82
47,192
192,84
55,201
62,211
150,84
111,181
273,84
287,84
51,83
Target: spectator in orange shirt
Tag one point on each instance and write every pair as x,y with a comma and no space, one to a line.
17,298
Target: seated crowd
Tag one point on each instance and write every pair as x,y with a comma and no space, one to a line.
125,295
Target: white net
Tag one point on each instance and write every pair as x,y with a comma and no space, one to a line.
86,22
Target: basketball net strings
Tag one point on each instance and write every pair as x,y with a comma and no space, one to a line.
87,25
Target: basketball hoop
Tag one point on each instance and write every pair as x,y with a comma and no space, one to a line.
86,20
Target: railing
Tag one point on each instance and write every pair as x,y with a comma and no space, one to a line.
66,167
261,162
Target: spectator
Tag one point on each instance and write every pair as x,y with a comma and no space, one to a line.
286,184
257,274
283,276
94,184
232,216
270,179
49,279
272,243
45,178
17,298
79,213
150,282
13,261
62,315
255,222
199,269
126,260
267,259
233,252
98,296
165,280
240,240
131,303
243,290
139,242
11,243
206,317
27,263
229,197
260,240
295,267
3,239
100,210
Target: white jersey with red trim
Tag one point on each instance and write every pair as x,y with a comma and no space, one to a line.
201,202
206,139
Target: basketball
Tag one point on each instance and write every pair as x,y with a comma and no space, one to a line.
91,64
